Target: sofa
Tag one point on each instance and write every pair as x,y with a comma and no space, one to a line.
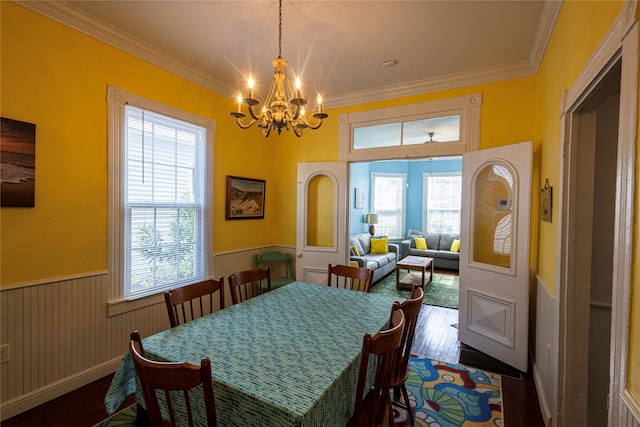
381,263
438,247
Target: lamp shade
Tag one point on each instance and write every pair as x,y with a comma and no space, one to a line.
371,219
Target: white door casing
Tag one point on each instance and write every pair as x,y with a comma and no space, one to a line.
313,259
494,255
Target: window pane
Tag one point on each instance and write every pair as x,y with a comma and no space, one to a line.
443,203
388,203
492,219
165,187
445,129
387,135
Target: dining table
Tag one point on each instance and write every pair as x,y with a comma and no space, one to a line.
289,357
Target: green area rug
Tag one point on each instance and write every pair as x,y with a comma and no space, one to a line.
441,291
441,394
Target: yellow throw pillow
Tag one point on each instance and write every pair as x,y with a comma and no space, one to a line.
379,245
455,246
421,243
355,251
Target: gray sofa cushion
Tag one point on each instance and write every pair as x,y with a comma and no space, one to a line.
363,238
449,255
354,241
433,239
446,240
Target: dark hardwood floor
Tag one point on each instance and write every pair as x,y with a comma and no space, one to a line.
435,338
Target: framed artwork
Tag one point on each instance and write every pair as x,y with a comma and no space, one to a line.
359,198
245,198
18,153
546,200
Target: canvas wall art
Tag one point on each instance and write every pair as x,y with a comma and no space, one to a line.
245,198
18,158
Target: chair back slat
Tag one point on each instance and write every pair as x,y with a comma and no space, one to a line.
167,377
249,283
349,277
374,407
180,301
411,309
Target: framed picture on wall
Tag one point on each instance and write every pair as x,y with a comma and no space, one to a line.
18,151
245,198
359,198
546,200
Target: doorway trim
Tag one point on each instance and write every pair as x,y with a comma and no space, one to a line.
620,43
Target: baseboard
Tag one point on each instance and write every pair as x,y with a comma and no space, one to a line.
11,408
547,415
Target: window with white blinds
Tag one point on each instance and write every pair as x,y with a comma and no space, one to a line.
388,201
163,199
442,202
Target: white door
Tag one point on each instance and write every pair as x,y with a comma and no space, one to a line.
321,236
494,255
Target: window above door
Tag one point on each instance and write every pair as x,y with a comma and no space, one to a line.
437,128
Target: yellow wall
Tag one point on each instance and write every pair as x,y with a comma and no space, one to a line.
578,31
57,78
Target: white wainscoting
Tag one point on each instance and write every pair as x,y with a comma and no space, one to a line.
61,337
545,360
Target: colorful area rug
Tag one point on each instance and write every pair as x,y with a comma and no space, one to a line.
444,394
441,291
441,394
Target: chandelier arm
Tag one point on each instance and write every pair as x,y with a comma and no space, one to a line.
253,114
297,131
315,125
244,125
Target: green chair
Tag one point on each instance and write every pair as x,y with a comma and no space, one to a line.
280,264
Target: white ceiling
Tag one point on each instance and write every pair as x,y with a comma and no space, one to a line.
338,47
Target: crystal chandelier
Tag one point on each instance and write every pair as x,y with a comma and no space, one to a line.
282,108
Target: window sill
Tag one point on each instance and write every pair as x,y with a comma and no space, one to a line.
115,308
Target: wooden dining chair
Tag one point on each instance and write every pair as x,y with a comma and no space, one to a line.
166,377
348,277
249,283
410,308
193,301
374,407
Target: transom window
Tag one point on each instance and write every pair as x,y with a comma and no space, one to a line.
413,132
447,127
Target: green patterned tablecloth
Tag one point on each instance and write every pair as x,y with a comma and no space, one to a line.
287,358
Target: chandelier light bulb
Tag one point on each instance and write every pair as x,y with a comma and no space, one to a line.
250,84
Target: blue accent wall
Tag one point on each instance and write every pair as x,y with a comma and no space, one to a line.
360,177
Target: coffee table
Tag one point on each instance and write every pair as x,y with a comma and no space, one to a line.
417,266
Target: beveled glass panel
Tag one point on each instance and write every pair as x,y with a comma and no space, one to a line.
320,211
444,129
492,216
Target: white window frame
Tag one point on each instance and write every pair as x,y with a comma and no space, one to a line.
467,107
401,212
425,197
117,99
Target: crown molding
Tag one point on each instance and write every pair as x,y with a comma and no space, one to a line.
450,81
66,14
550,12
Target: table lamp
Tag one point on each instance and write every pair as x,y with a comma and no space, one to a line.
371,219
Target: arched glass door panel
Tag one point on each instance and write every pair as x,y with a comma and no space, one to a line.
493,193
